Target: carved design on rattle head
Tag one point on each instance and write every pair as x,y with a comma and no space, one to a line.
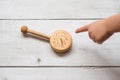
61,41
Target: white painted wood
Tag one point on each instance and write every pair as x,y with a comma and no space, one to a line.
21,57
59,74
58,9
17,50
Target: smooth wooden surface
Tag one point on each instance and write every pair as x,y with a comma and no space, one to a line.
25,30
31,58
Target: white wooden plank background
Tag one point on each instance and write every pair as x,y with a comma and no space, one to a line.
58,9
28,57
15,47
59,74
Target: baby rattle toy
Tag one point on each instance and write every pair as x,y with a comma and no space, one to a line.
60,40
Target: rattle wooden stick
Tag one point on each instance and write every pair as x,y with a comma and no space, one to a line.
25,29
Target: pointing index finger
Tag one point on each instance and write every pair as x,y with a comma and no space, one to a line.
82,29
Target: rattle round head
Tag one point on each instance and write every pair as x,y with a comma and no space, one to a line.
24,29
61,41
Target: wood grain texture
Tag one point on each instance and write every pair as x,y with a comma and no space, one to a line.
17,49
59,74
28,57
58,9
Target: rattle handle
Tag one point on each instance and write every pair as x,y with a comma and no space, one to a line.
25,29
39,34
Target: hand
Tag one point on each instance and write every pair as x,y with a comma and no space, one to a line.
98,31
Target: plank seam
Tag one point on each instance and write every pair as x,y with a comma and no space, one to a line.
59,19
59,66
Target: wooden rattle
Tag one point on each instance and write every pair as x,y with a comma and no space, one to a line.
60,40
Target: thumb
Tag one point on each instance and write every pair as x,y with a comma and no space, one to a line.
82,29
